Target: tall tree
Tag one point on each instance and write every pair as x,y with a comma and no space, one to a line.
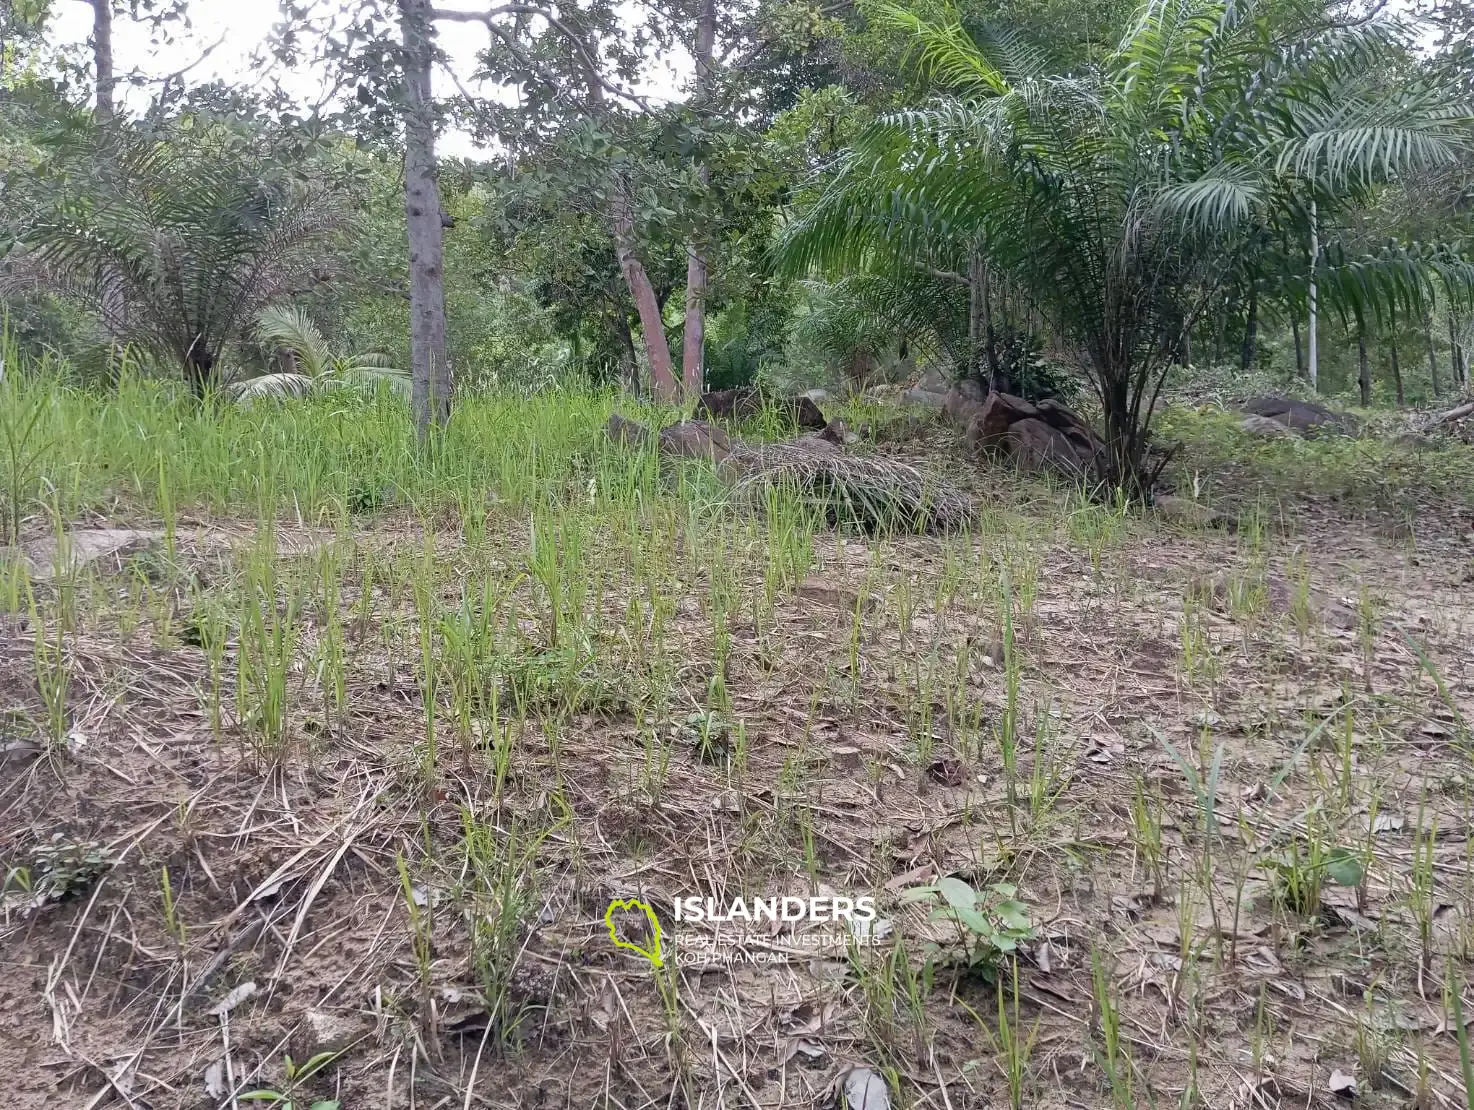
693,345
549,53
430,371
102,59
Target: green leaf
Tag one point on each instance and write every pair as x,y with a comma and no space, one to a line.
1015,915
975,921
958,894
1344,867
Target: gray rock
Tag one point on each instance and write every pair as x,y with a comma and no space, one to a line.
924,397
1265,426
49,556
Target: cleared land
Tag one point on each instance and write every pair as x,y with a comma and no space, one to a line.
355,754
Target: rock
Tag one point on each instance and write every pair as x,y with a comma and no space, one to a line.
961,406
332,1032
628,433
997,415
1302,416
806,414
1193,514
924,397
47,557
1265,426
741,403
1033,445
818,396
746,401
837,433
695,439
1032,437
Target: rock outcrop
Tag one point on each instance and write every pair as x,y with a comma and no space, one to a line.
1046,436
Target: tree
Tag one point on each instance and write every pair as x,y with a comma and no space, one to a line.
429,363
177,248
1119,198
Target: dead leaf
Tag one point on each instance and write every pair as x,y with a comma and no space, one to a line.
948,772
233,999
215,1079
917,876
864,1090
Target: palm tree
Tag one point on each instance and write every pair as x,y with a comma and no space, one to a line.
1120,200
316,367
178,240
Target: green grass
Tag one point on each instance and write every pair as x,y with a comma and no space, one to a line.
1374,475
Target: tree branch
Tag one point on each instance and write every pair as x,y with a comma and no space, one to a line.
488,19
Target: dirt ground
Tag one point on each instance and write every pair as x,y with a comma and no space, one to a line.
1226,773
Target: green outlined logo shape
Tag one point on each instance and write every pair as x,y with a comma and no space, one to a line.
653,952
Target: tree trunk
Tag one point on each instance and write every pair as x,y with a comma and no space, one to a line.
662,372
102,59
1314,365
199,368
430,378
1432,357
1299,354
1251,331
976,293
990,343
1455,351
1364,368
627,359
693,345
1396,366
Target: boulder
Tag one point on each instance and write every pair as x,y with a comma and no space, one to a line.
996,415
1032,437
1302,416
695,439
1265,426
1033,445
924,397
627,433
746,401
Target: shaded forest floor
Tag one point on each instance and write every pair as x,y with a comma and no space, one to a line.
1227,774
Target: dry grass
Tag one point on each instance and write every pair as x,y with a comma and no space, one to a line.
655,703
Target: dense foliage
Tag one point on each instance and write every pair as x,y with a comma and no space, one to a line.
1038,198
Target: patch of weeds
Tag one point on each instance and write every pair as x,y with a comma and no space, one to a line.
1301,870
295,1075
990,923
567,676
60,868
499,894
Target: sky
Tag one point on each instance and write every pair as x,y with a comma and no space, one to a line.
226,36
